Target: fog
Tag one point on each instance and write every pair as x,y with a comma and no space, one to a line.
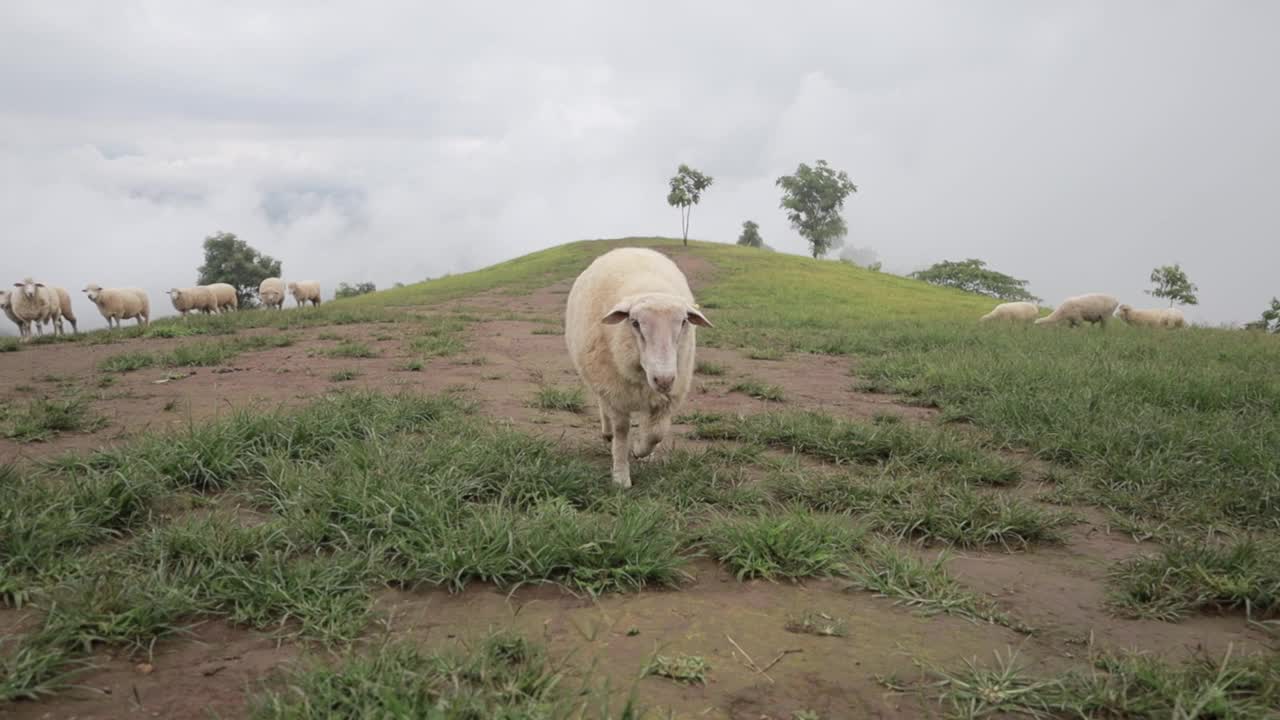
1076,145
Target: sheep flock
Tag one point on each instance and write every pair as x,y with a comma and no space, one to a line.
33,304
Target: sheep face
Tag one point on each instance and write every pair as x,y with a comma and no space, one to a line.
28,288
1123,311
92,291
4,299
657,327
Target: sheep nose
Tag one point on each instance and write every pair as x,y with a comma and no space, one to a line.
664,382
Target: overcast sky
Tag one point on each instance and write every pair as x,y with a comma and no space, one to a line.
1074,144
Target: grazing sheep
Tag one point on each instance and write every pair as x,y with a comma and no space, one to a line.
1093,308
34,304
225,297
271,292
120,304
199,299
305,291
629,328
1156,317
1018,312
64,307
8,311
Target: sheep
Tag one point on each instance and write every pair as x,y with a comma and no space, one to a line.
120,304
1018,312
8,311
271,292
305,291
1157,317
628,327
1093,308
200,298
34,303
225,297
64,307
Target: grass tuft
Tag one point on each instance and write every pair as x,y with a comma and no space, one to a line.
570,399
793,545
759,390
690,669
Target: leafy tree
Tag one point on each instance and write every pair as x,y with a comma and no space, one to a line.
348,290
750,236
1270,321
1172,283
813,199
687,187
973,276
228,259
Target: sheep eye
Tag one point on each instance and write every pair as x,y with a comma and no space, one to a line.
635,324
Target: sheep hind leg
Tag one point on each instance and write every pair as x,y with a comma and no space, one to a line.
621,448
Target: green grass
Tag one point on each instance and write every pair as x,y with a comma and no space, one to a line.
352,349
205,353
1191,576
849,443
44,418
127,362
1118,685
759,390
706,367
9,344
791,545
502,676
924,508
414,365
812,622
547,331
344,375
923,585
692,669
567,399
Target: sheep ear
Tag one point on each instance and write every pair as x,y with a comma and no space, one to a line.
39,284
620,312
17,284
697,318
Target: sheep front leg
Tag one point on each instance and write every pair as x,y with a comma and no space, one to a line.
621,449
606,425
653,430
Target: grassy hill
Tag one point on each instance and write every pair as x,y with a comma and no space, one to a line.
465,457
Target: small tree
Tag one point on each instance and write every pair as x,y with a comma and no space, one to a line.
1172,283
973,276
687,187
750,236
813,199
1270,321
348,290
228,259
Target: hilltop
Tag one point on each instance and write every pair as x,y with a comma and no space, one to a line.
866,489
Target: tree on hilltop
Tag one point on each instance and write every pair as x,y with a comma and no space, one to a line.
687,186
973,276
1172,283
813,198
228,259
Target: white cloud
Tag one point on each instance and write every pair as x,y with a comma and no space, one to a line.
1076,146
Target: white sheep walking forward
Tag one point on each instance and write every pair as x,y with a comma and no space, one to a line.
224,297
1156,317
1018,312
305,291
1093,308
33,303
118,304
271,292
643,365
193,299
